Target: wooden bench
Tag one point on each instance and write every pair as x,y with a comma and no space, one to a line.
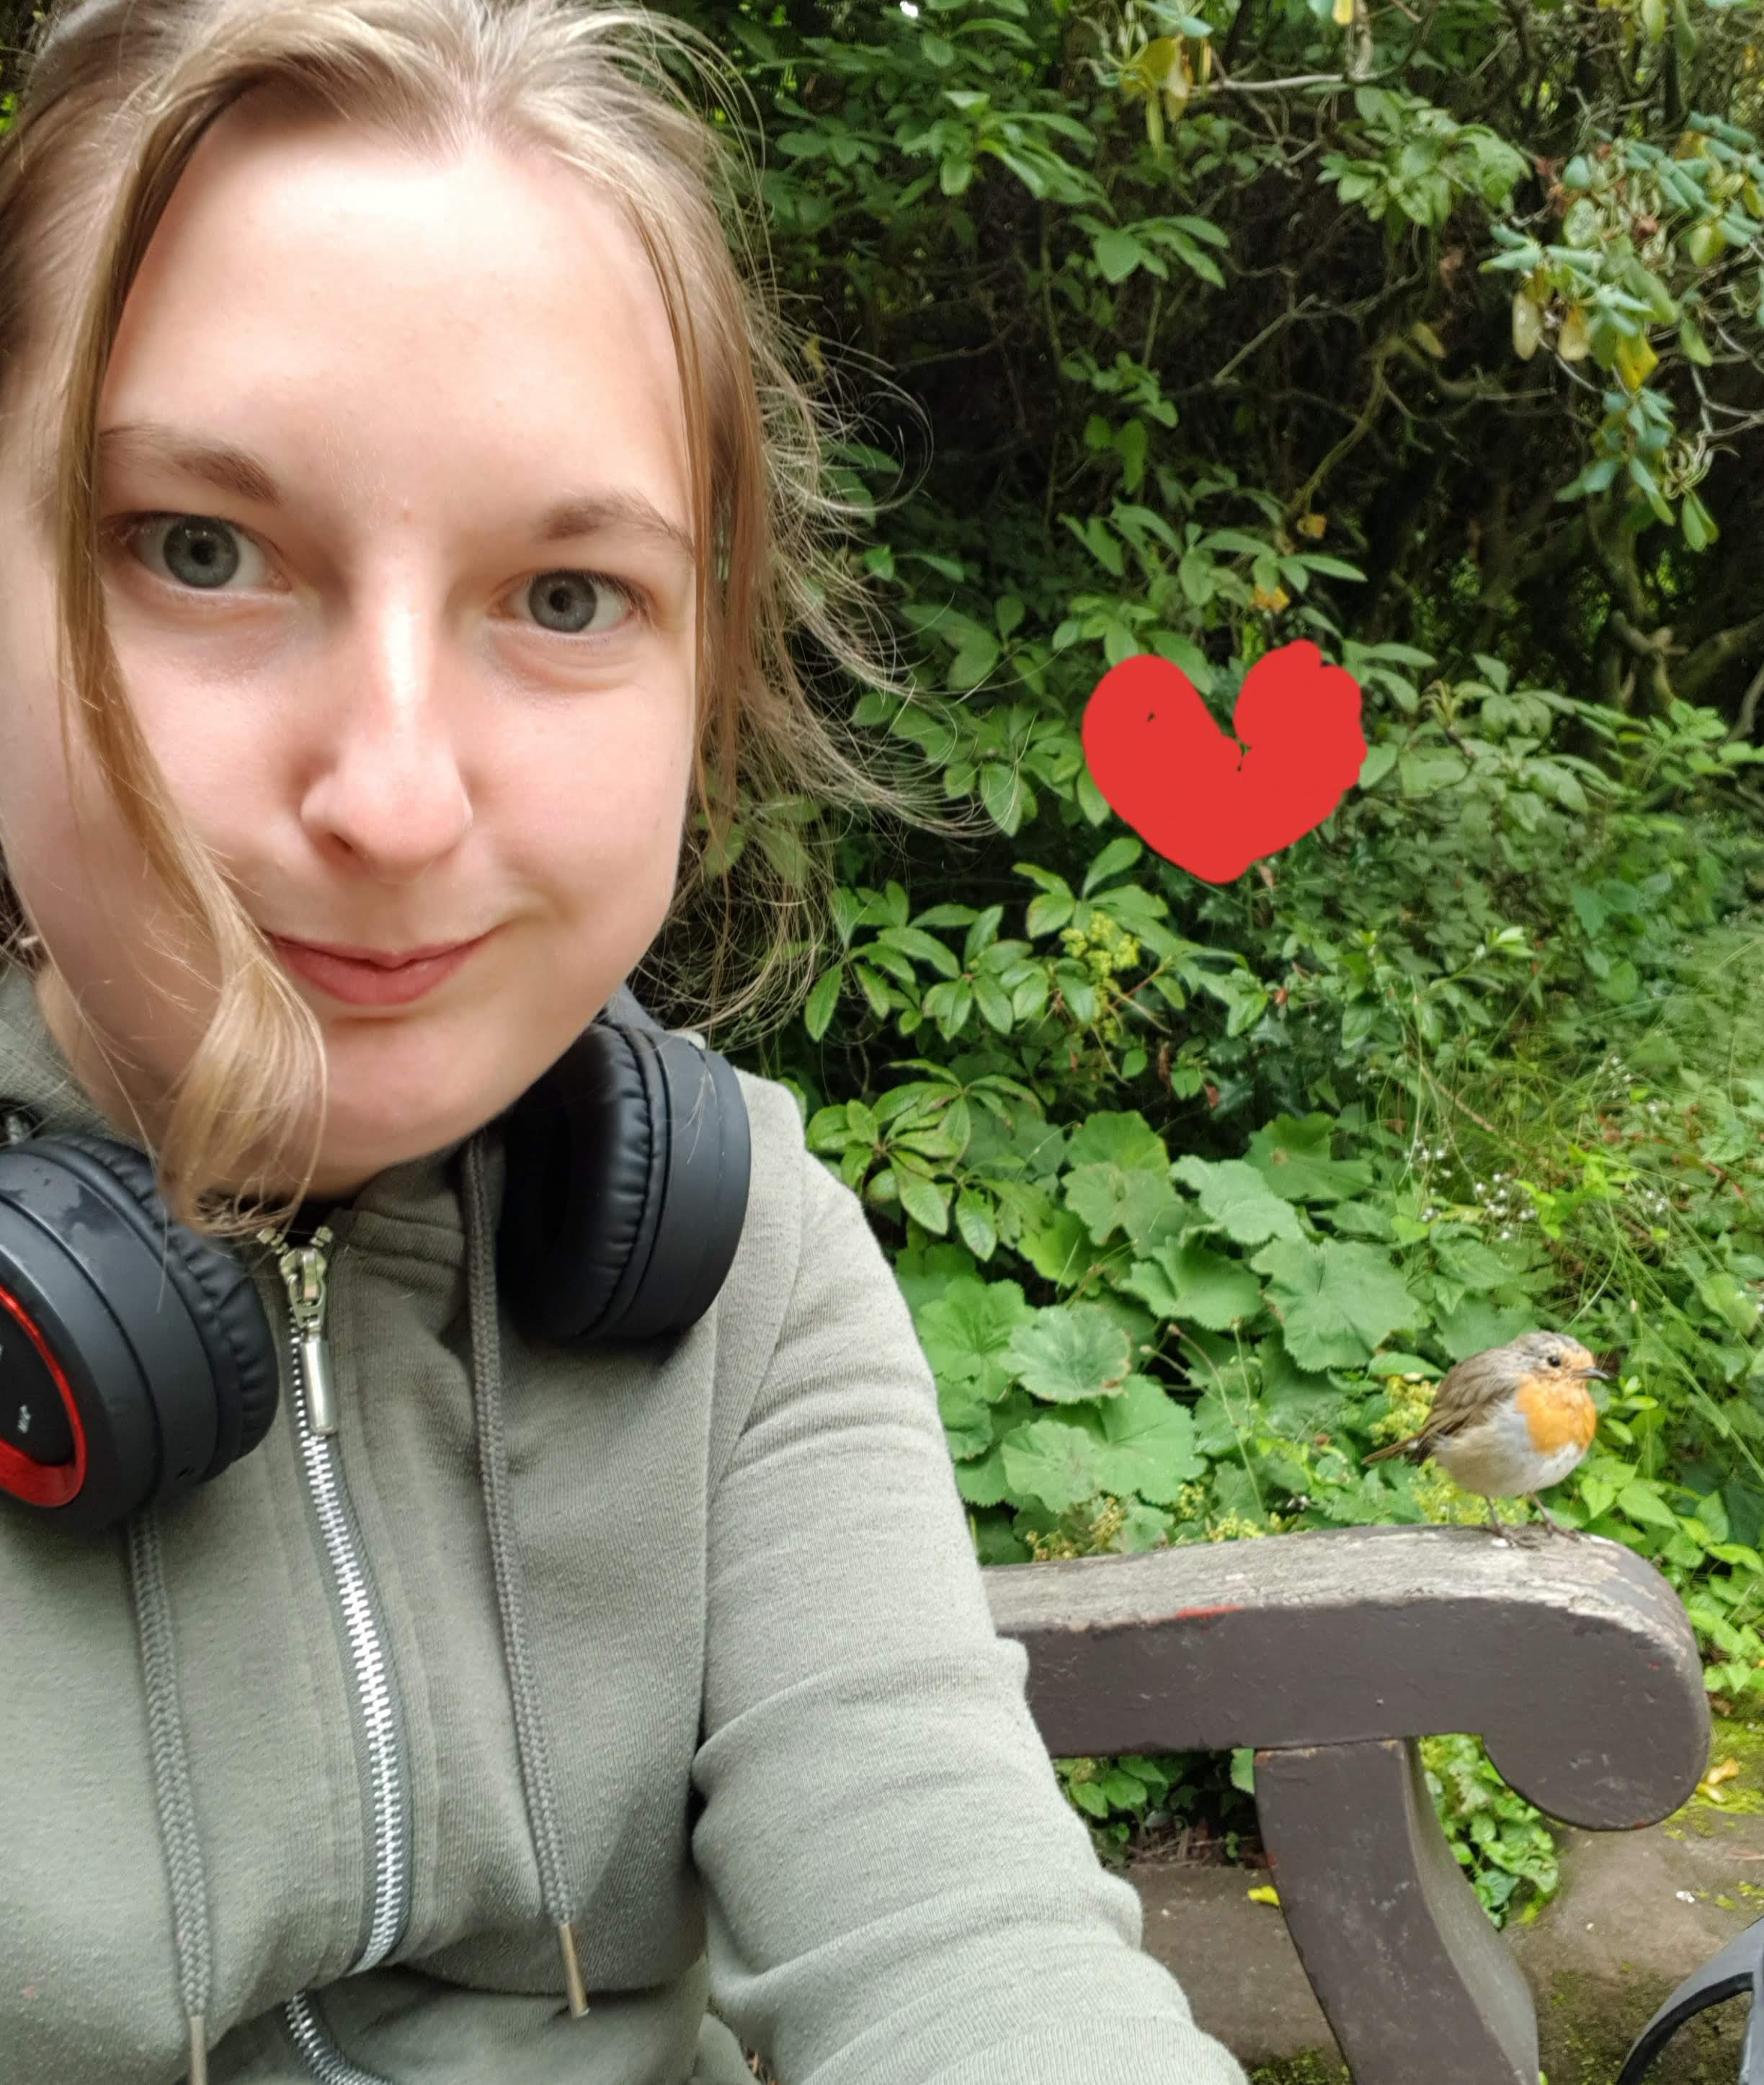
1332,1652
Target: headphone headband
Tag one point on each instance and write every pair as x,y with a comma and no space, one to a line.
136,1359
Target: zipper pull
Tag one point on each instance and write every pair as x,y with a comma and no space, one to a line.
303,1269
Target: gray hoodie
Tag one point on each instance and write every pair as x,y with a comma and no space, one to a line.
686,1646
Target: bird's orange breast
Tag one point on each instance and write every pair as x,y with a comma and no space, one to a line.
1558,1414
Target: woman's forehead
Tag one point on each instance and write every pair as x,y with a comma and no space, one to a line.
318,283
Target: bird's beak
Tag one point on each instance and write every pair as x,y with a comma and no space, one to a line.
1598,1372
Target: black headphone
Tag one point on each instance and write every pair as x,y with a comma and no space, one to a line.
136,1359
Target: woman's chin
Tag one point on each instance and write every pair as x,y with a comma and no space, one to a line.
353,1154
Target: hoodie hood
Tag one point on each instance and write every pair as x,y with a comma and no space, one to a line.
458,1188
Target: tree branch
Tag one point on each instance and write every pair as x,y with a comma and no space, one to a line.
1749,702
1715,653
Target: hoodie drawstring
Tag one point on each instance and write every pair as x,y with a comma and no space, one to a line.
168,1751
493,1476
170,1762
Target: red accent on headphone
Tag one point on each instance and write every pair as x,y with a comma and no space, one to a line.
44,1483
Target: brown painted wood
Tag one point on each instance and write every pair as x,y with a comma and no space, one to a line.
1330,1652
1574,1661
1414,1981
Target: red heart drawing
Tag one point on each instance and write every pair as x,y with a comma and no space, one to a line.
1213,804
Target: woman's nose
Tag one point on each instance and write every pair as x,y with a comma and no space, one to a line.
386,783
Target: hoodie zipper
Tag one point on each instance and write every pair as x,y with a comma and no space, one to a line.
323,2059
378,1712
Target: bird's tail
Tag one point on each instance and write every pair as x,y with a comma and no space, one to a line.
1414,1448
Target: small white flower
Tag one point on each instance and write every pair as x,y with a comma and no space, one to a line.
1683,1896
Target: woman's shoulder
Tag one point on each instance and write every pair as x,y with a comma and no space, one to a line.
807,1249
778,1182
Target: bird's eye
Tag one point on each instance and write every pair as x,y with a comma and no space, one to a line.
1555,1360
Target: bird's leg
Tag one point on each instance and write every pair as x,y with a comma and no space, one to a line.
1497,1526
1519,1536
1556,1526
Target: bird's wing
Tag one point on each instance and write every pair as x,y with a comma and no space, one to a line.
1463,1396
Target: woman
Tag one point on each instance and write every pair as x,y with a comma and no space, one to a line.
407,504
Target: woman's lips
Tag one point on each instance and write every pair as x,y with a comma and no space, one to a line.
372,984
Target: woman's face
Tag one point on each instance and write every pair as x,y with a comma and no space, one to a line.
385,440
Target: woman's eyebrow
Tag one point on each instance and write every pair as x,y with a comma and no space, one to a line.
237,471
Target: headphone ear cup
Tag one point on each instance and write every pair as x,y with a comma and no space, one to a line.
627,1185
223,1305
155,1337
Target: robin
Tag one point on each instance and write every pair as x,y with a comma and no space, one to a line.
1510,1422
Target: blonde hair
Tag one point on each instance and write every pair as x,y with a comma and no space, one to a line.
117,96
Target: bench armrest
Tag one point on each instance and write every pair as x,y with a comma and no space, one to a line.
1331,1652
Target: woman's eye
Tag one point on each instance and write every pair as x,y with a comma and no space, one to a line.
565,601
196,550
204,553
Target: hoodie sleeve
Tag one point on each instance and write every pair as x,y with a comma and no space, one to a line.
897,1892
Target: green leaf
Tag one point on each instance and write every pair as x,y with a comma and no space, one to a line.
1644,1506
1729,1302
982,928
1071,1351
975,1221
975,658
1336,1303
1052,1461
1477,1266
1620,983
1051,910
817,1015
1234,1196
1294,1157
1425,774
1148,1443
1377,764
1475,1325
994,1002
1295,1402
874,990
1058,1248
1596,1496
1146,1527
1118,855
982,1481
1193,1283
1118,253
1697,522
1712,1514
922,948
967,1420
966,1333
1001,791
1109,1198
925,1201
1127,1140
